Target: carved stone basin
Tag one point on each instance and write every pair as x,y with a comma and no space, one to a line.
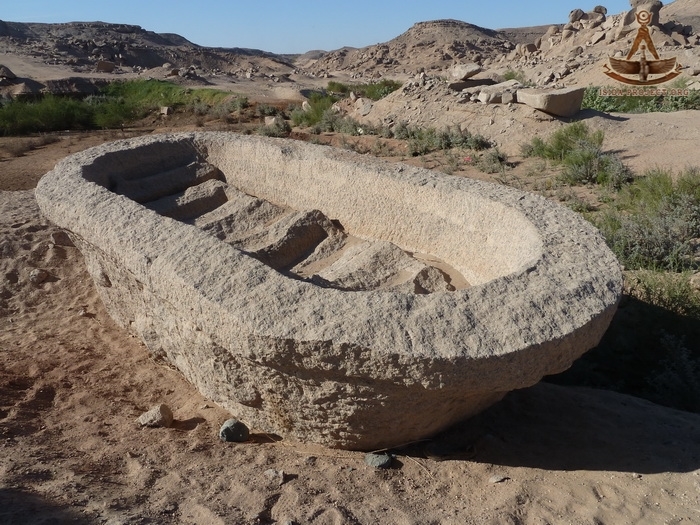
327,296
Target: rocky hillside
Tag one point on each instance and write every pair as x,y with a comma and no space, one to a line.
587,36
686,12
426,46
82,44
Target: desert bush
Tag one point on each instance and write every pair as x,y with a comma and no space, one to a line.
578,151
401,131
19,146
517,75
562,142
655,221
200,108
280,128
423,141
640,104
492,161
220,111
239,104
266,110
588,164
670,291
426,140
372,90
319,103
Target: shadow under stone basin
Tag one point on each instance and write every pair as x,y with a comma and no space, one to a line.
327,296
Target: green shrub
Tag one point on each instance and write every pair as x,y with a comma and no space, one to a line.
640,104
279,128
338,88
493,161
655,221
372,90
562,142
423,141
319,103
587,164
426,140
117,104
579,152
50,113
516,75
265,110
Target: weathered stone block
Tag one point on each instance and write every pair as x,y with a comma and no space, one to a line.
331,297
565,102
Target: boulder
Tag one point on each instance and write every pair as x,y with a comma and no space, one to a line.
464,71
6,73
104,66
576,15
494,94
158,416
551,31
598,36
364,106
592,20
565,102
529,49
679,39
246,295
653,6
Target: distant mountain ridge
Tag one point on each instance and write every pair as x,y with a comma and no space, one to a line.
82,44
426,45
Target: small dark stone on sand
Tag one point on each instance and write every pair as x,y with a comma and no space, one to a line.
378,460
234,431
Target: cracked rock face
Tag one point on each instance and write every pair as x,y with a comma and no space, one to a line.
328,297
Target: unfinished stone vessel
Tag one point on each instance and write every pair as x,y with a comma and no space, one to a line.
327,296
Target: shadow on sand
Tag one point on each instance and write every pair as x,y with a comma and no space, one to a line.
573,428
19,507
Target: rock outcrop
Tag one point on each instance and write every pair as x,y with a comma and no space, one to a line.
328,297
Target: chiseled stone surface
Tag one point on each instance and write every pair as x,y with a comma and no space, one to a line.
563,102
522,287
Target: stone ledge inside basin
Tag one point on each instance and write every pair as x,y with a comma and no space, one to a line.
327,296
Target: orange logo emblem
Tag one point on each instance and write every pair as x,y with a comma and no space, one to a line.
643,68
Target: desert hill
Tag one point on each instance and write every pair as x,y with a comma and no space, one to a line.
81,44
685,12
429,45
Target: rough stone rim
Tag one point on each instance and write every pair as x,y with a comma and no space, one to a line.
574,262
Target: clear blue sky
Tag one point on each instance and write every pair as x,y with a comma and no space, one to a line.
296,26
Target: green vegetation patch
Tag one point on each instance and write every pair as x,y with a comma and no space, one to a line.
372,90
578,151
319,105
117,104
593,99
654,223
